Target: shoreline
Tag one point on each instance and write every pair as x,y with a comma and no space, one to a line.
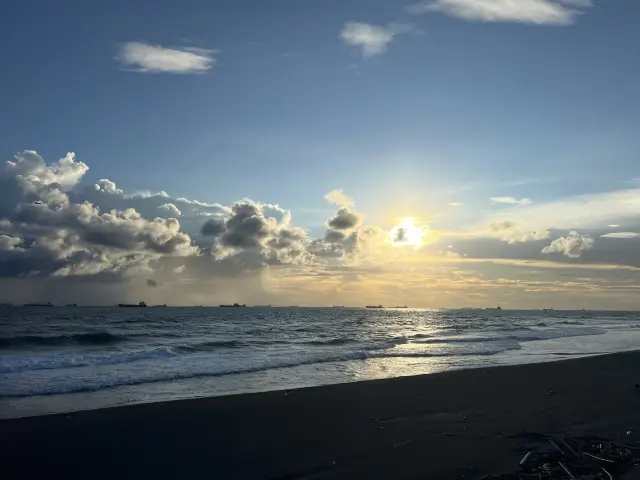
456,424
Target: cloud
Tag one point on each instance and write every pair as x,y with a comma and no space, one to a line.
344,219
512,200
247,227
572,246
212,228
540,12
99,238
582,212
143,57
371,39
337,197
171,208
335,236
259,233
152,283
52,235
454,204
621,235
449,254
10,244
510,232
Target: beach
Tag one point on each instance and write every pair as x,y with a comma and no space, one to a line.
451,425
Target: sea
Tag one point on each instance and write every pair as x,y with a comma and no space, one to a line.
55,360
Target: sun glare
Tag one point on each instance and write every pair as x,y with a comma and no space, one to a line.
406,233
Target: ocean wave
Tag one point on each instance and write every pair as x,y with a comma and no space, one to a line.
188,367
523,336
330,342
23,363
26,363
90,338
207,346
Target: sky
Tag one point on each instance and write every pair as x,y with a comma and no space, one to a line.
433,153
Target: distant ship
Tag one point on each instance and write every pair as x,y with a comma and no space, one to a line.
71,305
404,306
374,306
164,305
235,305
133,305
337,306
48,304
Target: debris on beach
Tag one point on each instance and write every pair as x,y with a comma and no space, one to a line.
579,458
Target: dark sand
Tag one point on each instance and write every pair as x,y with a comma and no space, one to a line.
451,425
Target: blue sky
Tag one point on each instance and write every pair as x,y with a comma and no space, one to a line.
454,101
406,106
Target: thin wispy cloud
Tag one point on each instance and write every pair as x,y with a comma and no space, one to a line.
143,57
529,181
584,211
540,12
621,235
512,200
371,39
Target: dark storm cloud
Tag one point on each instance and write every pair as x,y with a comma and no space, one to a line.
152,283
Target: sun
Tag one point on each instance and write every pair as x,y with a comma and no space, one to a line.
406,233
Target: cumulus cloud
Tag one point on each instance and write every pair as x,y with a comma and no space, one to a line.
338,197
212,227
152,283
621,235
247,227
143,57
572,246
171,208
541,12
344,219
50,234
335,236
107,186
10,244
511,200
371,39
259,234
511,232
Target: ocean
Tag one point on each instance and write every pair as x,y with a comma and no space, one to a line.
56,360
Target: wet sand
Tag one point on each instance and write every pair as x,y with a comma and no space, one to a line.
443,426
